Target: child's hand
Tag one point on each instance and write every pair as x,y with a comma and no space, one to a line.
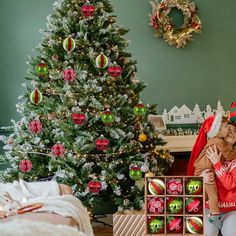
208,177
213,155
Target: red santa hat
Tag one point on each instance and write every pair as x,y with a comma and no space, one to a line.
232,115
209,129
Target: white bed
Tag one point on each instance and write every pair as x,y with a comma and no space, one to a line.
23,227
61,215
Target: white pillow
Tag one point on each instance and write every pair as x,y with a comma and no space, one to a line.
23,191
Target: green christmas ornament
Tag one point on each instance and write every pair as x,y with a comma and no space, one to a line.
194,187
156,225
42,69
135,172
140,109
107,117
175,205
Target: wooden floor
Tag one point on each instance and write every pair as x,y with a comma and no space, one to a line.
102,225
102,231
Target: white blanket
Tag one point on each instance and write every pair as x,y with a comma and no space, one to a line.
67,206
33,228
22,190
48,193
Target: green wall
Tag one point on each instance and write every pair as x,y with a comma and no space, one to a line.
202,72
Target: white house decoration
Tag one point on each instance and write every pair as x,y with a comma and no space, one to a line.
185,115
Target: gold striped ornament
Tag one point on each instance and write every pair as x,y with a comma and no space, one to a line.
36,96
69,44
101,61
156,186
194,225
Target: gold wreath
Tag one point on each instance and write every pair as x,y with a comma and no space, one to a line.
163,26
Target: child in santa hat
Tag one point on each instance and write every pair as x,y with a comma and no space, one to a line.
211,133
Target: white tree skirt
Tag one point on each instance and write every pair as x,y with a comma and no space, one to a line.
33,228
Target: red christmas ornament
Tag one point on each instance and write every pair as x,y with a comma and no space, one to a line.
193,205
94,186
69,75
58,150
155,205
115,70
102,143
78,118
35,127
25,166
174,186
88,9
174,224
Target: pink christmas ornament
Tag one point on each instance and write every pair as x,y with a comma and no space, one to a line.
174,186
58,150
25,166
35,127
69,75
155,205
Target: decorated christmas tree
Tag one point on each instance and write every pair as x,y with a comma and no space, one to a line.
82,120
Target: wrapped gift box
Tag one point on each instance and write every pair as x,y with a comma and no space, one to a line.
129,224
